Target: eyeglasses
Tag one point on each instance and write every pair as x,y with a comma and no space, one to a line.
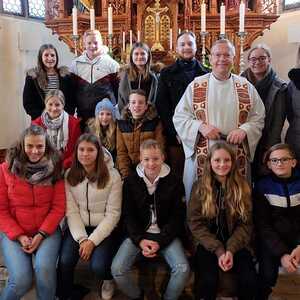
283,160
256,59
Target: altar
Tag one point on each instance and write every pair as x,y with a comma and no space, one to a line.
158,22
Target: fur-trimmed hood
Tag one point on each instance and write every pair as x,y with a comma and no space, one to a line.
36,74
150,113
62,71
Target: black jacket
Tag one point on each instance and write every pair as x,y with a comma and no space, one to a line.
167,200
171,86
34,95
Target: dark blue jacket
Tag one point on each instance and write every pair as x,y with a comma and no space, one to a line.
277,213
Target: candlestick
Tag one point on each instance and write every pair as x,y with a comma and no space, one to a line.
123,42
242,17
222,19
242,36
74,20
138,36
203,17
203,36
130,38
92,18
171,38
110,20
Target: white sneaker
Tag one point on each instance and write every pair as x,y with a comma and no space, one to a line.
107,289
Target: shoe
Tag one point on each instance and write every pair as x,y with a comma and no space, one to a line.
107,289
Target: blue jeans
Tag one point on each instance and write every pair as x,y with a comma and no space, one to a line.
21,270
174,256
100,261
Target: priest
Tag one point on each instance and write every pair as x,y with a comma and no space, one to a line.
218,105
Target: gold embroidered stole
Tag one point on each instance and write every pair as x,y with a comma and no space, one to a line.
200,105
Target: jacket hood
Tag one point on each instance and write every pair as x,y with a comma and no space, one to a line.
165,170
34,72
150,113
84,58
294,75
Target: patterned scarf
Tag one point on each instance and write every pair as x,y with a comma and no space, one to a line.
35,173
57,129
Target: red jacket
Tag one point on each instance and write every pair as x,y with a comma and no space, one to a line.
26,208
74,134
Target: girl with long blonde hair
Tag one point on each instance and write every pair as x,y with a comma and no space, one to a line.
220,219
104,125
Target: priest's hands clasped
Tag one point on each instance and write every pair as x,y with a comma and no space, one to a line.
211,132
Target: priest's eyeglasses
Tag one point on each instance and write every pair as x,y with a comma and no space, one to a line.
257,59
283,160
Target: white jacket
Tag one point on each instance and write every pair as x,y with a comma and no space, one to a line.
89,206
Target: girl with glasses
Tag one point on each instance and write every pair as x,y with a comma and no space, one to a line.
273,92
276,217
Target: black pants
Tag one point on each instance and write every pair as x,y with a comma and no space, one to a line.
268,273
207,274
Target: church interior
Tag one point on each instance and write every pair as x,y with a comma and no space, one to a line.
273,22
155,22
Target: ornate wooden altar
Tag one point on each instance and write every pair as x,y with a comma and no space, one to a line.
139,15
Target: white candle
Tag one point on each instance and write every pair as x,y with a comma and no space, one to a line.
139,36
123,40
74,20
222,19
242,17
130,38
171,39
92,18
203,17
179,31
110,20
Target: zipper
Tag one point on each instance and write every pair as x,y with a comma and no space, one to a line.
92,67
288,199
87,202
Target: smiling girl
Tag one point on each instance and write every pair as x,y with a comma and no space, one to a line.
219,216
32,203
137,75
45,77
63,129
94,195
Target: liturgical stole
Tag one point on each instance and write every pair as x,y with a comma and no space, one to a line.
200,107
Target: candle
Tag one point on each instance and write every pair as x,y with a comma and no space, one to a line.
203,17
92,18
139,36
123,40
242,17
179,31
130,38
110,21
74,20
222,19
171,39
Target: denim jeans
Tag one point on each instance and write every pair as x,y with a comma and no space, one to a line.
174,256
100,261
20,268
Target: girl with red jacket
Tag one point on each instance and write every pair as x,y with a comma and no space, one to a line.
62,129
32,203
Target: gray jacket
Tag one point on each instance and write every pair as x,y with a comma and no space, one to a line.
125,89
